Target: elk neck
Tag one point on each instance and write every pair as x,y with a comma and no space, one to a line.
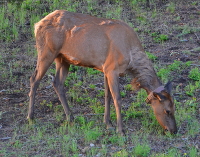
142,72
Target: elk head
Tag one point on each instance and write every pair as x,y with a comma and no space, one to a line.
163,107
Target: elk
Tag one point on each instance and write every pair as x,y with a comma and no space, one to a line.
110,46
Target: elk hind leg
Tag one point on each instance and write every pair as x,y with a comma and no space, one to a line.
62,69
43,63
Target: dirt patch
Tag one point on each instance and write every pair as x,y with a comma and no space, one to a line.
182,44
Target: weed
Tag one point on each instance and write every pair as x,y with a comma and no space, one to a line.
39,138
123,94
192,127
53,71
100,93
175,66
113,139
186,29
191,89
188,63
92,86
92,71
171,7
92,134
128,87
17,144
132,113
142,150
141,95
151,56
169,153
154,14
78,84
73,146
121,153
194,74
97,107
193,152
44,103
159,38
173,152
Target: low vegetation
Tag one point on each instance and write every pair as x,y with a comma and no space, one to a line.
170,34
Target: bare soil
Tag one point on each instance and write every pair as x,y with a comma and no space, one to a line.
19,66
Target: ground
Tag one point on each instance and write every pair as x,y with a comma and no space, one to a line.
169,31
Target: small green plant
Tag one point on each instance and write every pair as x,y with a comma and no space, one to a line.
194,74
191,88
128,87
131,113
17,144
193,152
123,94
175,66
97,107
100,93
78,84
159,38
173,152
141,95
44,103
92,86
74,146
92,134
186,29
142,150
163,73
151,56
197,49
121,153
192,127
171,7
113,139
92,71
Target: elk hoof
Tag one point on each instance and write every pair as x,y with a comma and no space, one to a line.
30,116
109,125
122,132
30,120
70,118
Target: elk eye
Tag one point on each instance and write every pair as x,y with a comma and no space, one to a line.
167,112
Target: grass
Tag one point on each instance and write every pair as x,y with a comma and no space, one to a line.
159,38
49,134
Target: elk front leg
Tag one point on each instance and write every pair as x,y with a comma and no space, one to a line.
107,120
113,83
62,69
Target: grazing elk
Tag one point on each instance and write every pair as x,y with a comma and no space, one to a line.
110,46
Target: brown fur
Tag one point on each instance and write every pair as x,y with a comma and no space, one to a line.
110,46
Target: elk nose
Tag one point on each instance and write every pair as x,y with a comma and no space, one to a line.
172,132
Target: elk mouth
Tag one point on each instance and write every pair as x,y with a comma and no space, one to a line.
167,130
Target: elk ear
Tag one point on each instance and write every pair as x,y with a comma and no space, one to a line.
168,87
158,96
135,85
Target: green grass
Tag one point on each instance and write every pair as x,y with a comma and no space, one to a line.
49,134
194,74
159,38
